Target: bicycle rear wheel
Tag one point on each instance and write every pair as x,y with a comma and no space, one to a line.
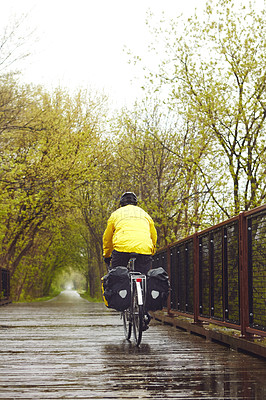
138,314
127,321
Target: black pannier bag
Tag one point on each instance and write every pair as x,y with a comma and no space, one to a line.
116,288
158,287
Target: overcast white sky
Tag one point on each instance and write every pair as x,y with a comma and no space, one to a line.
81,42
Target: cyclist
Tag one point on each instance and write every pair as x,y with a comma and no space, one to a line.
130,230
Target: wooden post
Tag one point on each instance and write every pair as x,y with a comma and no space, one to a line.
0,280
243,275
169,275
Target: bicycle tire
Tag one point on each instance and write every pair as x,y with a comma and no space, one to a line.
127,322
138,314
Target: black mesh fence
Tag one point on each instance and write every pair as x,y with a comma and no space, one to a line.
257,270
211,279
182,276
218,274
4,285
204,276
217,308
232,288
160,260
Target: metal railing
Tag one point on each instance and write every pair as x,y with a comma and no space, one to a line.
219,274
4,286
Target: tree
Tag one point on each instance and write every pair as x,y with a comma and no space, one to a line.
49,150
96,199
15,44
215,71
154,154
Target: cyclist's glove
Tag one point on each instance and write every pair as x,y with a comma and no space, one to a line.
107,260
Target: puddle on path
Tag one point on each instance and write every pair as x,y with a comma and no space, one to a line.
69,348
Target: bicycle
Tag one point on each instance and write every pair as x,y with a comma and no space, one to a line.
133,317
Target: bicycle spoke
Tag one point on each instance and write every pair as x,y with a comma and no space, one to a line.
127,321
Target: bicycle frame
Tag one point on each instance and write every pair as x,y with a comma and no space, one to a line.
133,317
139,290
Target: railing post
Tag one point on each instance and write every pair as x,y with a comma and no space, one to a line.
8,284
243,275
196,276
0,280
169,275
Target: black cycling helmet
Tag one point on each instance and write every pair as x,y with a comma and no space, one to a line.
128,198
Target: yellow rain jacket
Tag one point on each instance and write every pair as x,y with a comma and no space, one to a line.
129,230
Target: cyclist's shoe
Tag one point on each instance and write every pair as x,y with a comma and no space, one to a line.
147,318
145,326
146,321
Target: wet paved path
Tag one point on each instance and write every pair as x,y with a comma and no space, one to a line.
68,348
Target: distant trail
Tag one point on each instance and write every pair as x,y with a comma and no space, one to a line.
68,296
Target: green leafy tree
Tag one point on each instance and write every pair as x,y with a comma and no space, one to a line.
51,147
214,73
155,152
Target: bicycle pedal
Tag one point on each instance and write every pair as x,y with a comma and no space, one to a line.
145,327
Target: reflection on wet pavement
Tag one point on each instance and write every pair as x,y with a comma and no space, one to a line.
69,348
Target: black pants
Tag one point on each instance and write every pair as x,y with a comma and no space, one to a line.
142,264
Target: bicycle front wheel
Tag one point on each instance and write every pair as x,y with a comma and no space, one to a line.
138,314
127,321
